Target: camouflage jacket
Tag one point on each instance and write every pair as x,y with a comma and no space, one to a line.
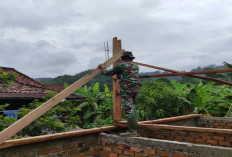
127,73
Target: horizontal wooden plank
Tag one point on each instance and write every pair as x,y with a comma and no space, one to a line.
159,121
171,119
36,139
186,128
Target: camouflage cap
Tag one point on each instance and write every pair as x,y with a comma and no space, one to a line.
128,54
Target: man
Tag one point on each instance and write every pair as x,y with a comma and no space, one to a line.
127,73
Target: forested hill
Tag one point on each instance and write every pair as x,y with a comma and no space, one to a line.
107,80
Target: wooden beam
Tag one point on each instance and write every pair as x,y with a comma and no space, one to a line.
171,119
36,113
185,128
117,113
123,124
196,76
188,73
36,139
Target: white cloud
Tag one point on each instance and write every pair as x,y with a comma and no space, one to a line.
50,38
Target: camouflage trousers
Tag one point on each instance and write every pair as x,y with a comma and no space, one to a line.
128,100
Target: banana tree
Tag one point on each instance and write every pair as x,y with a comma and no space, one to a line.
195,95
96,104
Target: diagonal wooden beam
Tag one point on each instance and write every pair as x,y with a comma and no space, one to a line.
188,73
36,113
196,76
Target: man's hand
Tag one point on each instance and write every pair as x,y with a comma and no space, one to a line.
101,66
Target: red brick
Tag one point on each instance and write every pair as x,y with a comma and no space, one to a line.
230,124
188,139
118,151
42,152
113,155
206,137
224,143
103,154
199,140
54,150
91,153
194,135
178,138
211,142
140,155
149,151
107,149
103,143
163,154
229,139
81,155
215,124
134,149
178,155
67,147
130,153
122,146
218,138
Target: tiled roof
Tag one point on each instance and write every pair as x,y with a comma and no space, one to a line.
25,87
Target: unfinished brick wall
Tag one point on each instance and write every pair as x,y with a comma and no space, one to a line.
192,137
215,122
100,145
116,146
68,147
152,143
214,139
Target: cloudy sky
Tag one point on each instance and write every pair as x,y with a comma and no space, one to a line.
48,38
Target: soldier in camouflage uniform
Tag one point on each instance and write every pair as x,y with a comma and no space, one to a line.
127,73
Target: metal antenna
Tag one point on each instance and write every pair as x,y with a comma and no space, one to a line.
106,47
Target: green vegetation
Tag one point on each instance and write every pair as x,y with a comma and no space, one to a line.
6,78
158,98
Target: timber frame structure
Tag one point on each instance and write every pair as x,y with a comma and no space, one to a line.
117,116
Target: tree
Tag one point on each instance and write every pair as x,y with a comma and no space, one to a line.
158,100
96,107
205,98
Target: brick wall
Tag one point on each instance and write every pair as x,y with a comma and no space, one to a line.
213,139
215,122
208,122
116,146
81,146
100,145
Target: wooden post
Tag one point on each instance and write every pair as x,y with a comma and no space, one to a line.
36,113
117,114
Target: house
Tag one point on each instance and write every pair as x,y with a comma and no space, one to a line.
23,91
